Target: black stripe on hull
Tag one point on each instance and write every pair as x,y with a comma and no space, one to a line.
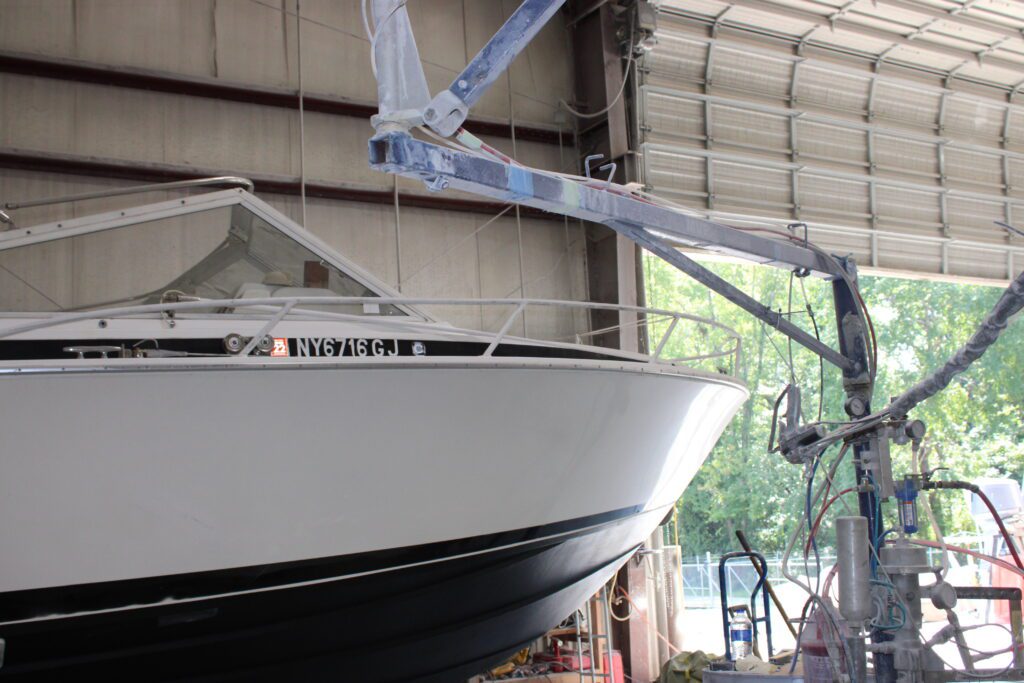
39,349
440,621
90,597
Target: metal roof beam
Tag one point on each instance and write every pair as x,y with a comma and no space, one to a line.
79,71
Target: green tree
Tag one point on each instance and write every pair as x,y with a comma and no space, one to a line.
919,324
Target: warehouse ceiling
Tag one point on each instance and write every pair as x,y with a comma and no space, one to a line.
893,128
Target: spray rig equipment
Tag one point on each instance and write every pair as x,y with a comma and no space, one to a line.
880,593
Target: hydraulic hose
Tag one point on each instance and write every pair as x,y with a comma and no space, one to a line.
987,333
967,551
973,488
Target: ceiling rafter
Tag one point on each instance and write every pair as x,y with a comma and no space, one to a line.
719,19
840,13
805,38
932,26
951,74
809,40
893,37
975,6
1015,90
964,6
990,49
883,54
923,28
957,15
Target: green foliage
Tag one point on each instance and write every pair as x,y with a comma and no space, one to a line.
976,422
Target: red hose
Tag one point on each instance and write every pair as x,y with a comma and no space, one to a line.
973,553
817,520
1002,527
966,486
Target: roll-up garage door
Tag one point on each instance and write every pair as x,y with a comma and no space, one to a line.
893,128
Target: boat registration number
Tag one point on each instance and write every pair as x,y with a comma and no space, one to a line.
340,346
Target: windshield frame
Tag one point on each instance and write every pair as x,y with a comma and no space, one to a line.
124,218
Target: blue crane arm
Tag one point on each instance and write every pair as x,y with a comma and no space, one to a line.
448,110
642,221
652,226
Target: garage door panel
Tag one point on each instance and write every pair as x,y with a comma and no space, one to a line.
757,131
911,172
913,256
906,158
746,186
678,59
677,174
975,120
974,219
977,263
974,170
745,72
913,211
673,119
832,144
920,111
855,244
821,88
830,199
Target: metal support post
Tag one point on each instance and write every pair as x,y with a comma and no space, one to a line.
872,165
794,80
709,135
940,122
795,189
794,140
709,179
708,66
609,639
857,385
1004,139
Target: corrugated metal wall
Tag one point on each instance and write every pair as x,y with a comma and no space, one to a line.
253,44
906,174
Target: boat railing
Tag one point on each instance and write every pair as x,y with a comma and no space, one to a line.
276,309
190,183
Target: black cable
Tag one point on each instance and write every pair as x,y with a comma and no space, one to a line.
821,360
789,307
775,420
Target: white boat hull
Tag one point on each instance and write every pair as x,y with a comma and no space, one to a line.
212,474
220,464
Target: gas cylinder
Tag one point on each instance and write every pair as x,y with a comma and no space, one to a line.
814,651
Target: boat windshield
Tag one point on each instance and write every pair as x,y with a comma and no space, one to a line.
223,253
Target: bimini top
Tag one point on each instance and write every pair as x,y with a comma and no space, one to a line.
220,245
